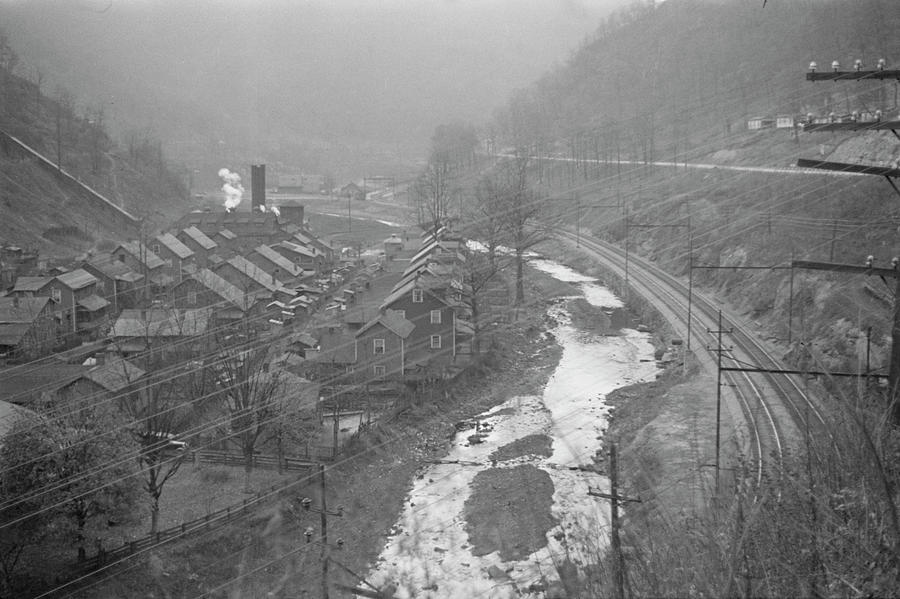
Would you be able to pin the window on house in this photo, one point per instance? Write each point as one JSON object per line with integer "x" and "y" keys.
{"x": 379, "y": 371}
{"x": 418, "y": 296}
{"x": 378, "y": 347}
{"x": 156, "y": 249}
{"x": 435, "y": 342}
{"x": 192, "y": 298}
{"x": 435, "y": 317}
{"x": 56, "y": 294}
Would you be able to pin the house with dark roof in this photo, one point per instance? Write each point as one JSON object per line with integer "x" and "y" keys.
{"x": 141, "y": 259}
{"x": 117, "y": 283}
{"x": 167, "y": 333}
{"x": 333, "y": 361}
{"x": 114, "y": 379}
{"x": 199, "y": 243}
{"x": 79, "y": 307}
{"x": 31, "y": 286}
{"x": 382, "y": 347}
{"x": 28, "y": 328}
{"x": 174, "y": 253}
{"x": 30, "y": 386}
{"x": 227, "y": 303}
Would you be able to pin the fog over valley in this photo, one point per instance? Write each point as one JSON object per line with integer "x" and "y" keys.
{"x": 253, "y": 74}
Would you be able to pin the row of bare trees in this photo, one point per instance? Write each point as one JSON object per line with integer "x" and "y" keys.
{"x": 498, "y": 205}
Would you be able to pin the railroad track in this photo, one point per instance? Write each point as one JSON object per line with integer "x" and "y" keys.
{"x": 770, "y": 411}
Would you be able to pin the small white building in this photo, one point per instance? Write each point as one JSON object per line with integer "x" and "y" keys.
{"x": 784, "y": 122}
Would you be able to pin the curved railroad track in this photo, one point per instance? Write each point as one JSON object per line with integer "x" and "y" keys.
{"x": 770, "y": 411}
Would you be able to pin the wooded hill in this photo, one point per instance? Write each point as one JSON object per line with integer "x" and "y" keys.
{"x": 677, "y": 78}
{"x": 44, "y": 210}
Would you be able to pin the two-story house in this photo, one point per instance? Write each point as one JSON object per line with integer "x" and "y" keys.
{"x": 80, "y": 308}
{"x": 141, "y": 259}
{"x": 432, "y": 344}
{"x": 382, "y": 347}
{"x": 116, "y": 283}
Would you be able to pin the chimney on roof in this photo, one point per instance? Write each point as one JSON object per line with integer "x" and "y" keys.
{"x": 257, "y": 186}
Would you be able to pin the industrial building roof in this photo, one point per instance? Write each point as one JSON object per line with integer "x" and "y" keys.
{"x": 200, "y": 237}
{"x": 175, "y": 246}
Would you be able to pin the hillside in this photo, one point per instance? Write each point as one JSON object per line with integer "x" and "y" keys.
{"x": 683, "y": 77}
{"x": 54, "y": 210}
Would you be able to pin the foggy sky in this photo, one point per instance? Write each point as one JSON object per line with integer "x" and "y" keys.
{"x": 386, "y": 70}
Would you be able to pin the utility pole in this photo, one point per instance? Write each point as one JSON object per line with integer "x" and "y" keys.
{"x": 719, "y": 350}
{"x": 615, "y": 542}
{"x": 690, "y": 290}
{"x": 884, "y": 274}
{"x": 857, "y": 122}
{"x": 577, "y": 222}
{"x": 306, "y": 502}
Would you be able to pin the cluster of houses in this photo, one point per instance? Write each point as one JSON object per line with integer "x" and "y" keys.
{"x": 400, "y": 321}
{"x": 413, "y": 327}
{"x": 214, "y": 269}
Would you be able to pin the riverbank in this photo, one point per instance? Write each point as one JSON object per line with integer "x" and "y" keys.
{"x": 270, "y": 555}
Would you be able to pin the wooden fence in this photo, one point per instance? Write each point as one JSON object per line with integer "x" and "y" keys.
{"x": 294, "y": 463}
{"x": 208, "y": 522}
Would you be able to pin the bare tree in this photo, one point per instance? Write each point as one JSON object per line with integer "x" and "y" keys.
{"x": 165, "y": 402}
{"x": 526, "y": 223}
{"x": 250, "y": 393}
{"x": 434, "y": 191}
{"x": 159, "y": 414}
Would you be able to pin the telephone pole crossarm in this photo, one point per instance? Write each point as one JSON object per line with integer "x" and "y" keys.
{"x": 853, "y": 126}
{"x": 852, "y": 169}
{"x": 801, "y": 372}
{"x": 853, "y": 268}
{"x": 853, "y": 75}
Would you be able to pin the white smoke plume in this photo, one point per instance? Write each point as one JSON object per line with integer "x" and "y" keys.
{"x": 233, "y": 189}
{"x": 262, "y": 207}
{"x": 275, "y": 210}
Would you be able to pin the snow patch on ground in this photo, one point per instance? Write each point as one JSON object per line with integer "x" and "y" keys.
{"x": 428, "y": 552}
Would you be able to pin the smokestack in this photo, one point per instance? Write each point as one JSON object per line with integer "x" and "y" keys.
{"x": 257, "y": 186}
